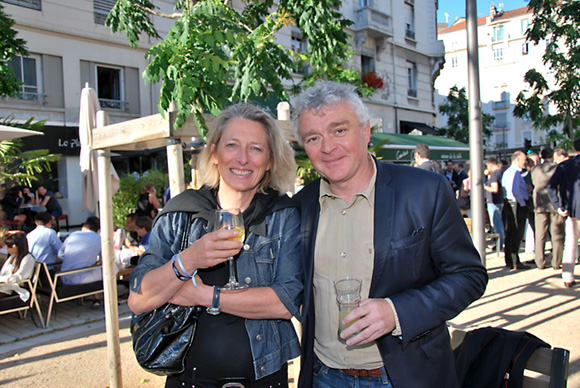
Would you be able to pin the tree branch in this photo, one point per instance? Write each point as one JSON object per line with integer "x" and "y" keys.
{"x": 174, "y": 15}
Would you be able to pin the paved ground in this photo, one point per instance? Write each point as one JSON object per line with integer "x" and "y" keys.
{"x": 72, "y": 352}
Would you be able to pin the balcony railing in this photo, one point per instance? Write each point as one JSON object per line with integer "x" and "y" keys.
{"x": 28, "y": 96}
{"x": 500, "y": 126}
{"x": 409, "y": 33}
{"x": 374, "y": 22}
{"x": 501, "y": 104}
{"x": 114, "y": 104}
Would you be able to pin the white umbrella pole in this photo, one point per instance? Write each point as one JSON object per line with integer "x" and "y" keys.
{"x": 109, "y": 273}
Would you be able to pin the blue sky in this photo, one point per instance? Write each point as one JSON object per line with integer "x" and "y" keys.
{"x": 457, "y": 8}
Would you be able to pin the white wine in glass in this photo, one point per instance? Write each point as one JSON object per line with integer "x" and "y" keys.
{"x": 231, "y": 219}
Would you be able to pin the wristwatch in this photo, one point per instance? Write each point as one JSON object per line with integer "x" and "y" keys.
{"x": 215, "y": 305}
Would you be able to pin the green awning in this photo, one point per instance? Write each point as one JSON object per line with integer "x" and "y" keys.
{"x": 400, "y": 147}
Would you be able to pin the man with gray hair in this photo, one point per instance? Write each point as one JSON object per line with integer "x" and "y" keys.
{"x": 396, "y": 228}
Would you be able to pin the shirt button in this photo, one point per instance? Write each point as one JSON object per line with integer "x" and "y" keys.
{"x": 262, "y": 369}
{"x": 259, "y": 337}
{"x": 343, "y": 212}
{"x": 248, "y": 280}
{"x": 246, "y": 247}
{"x": 343, "y": 254}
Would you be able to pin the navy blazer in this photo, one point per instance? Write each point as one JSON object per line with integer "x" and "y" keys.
{"x": 564, "y": 187}
{"x": 424, "y": 261}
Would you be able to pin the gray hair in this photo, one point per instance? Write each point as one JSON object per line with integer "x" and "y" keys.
{"x": 325, "y": 93}
{"x": 281, "y": 176}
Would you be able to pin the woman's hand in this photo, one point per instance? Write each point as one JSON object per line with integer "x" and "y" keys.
{"x": 189, "y": 295}
{"x": 210, "y": 250}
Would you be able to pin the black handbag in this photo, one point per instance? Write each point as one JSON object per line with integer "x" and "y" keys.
{"x": 162, "y": 337}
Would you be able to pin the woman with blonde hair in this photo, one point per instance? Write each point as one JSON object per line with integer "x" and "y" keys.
{"x": 246, "y": 337}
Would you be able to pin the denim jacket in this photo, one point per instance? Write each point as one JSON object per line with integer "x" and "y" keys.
{"x": 264, "y": 261}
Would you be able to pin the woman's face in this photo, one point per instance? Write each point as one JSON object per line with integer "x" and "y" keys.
{"x": 242, "y": 155}
{"x": 11, "y": 248}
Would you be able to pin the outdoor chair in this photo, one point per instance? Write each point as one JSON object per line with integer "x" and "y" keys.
{"x": 13, "y": 303}
{"x": 64, "y": 218}
{"x": 549, "y": 366}
{"x": 52, "y": 286}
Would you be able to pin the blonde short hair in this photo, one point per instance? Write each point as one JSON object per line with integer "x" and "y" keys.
{"x": 281, "y": 175}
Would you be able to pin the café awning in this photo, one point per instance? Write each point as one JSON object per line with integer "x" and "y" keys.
{"x": 399, "y": 148}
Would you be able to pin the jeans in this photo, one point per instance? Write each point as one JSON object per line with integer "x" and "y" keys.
{"x": 325, "y": 377}
{"x": 494, "y": 210}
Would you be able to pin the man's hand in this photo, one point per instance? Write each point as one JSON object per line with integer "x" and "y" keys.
{"x": 563, "y": 213}
{"x": 375, "y": 319}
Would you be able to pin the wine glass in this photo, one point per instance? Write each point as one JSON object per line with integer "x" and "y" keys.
{"x": 231, "y": 219}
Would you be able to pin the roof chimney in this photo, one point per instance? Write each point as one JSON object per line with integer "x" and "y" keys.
{"x": 492, "y": 12}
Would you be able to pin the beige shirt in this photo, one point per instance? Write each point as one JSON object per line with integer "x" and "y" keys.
{"x": 344, "y": 247}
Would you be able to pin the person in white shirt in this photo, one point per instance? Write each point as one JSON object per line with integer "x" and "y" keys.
{"x": 43, "y": 241}
{"x": 80, "y": 250}
{"x": 517, "y": 196}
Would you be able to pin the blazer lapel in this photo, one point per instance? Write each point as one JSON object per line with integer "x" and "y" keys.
{"x": 384, "y": 219}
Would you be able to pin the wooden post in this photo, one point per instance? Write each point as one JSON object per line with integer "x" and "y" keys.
{"x": 108, "y": 263}
{"x": 175, "y": 166}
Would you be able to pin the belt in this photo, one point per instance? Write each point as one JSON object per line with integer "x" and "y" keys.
{"x": 362, "y": 372}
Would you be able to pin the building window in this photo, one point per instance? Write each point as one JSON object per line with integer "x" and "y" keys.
{"x": 500, "y": 140}
{"x": 412, "y": 79}
{"x": 525, "y": 48}
{"x": 367, "y": 64}
{"x": 101, "y": 9}
{"x": 32, "y": 4}
{"x": 110, "y": 87}
{"x": 497, "y": 34}
{"x": 299, "y": 46}
{"x": 365, "y": 3}
{"x": 498, "y": 54}
{"x": 28, "y": 71}
{"x": 501, "y": 120}
{"x": 409, "y": 21}
{"x": 453, "y": 61}
{"x": 527, "y": 135}
{"x": 525, "y": 25}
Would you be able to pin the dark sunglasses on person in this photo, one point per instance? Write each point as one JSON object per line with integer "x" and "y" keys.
{"x": 9, "y": 245}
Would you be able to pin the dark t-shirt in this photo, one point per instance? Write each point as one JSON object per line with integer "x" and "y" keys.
{"x": 495, "y": 176}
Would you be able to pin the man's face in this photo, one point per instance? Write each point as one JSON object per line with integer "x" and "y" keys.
{"x": 41, "y": 190}
{"x": 335, "y": 142}
{"x": 449, "y": 166}
{"x": 130, "y": 224}
{"x": 521, "y": 161}
{"x": 140, "y": 231}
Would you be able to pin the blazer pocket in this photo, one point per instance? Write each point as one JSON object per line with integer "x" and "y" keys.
{"x": 409, "y": 257}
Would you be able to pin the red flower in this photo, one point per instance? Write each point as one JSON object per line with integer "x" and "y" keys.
{"x": 372, "y": 80}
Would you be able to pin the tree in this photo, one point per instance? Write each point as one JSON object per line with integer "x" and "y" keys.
{"x": 21, "y": 167}
{"x": 457, "y": 110}
{"x": 9, "y": 47}
{"x": 555, "y": 22}
{"x": 214, "y": 55}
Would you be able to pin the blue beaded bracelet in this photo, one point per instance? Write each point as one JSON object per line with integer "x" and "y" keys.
{"x": 179, "y": 275}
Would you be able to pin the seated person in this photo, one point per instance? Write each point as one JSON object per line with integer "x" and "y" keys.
{"x": 43, "y": 241}
{"x": 143, "y": 229}
{"x": 11, "y": 206}
{"x": 132, "y": 238}
{"x": 47, "y": 199}
{"x": 80, "y": 250}
{"x": 18, "y": 266}
{"x": 27, "y": 196}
